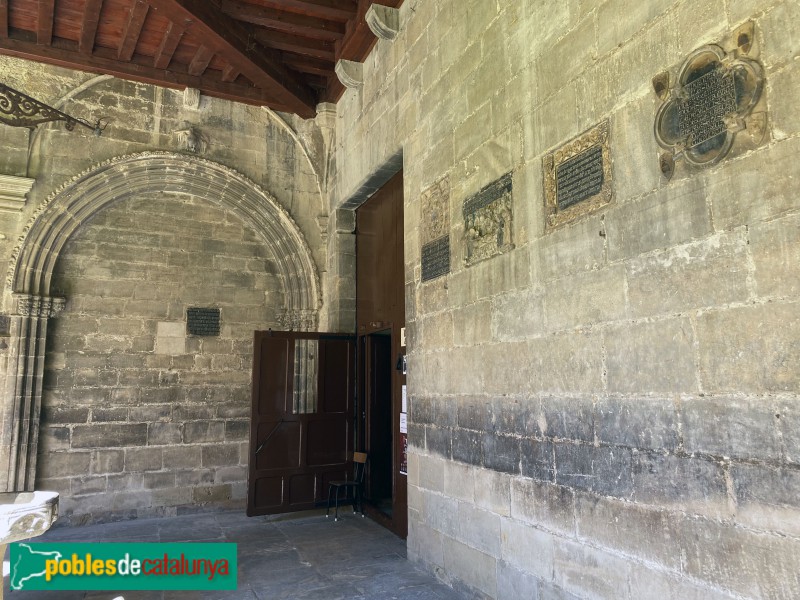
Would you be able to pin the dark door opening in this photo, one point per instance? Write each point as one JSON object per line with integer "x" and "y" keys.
{"x": 377, "y": 348}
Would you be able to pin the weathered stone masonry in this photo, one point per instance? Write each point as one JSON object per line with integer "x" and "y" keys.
{"x": 609, "y": 410}
{"x": 139, "y": 418}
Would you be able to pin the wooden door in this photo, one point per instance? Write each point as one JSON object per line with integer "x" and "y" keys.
{"x": 380, "y": 318}
{"x": 301, "y": 432}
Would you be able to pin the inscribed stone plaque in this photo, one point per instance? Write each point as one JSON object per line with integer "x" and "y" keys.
{"x": 434, "y": 230}
{"x": 436, "y": 259}
{"x": 713, "y": 98}
{"x": 202, "y": 321}
{"x": 488, "y": 221}
{"x": 577, "y": 177}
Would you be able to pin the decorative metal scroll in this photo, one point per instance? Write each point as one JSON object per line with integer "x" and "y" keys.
{"x": 710, "y": 102}
{"x": 20, "y": 110}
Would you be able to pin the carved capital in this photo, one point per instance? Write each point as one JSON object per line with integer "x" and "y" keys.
{"x": 298, "y": 320}
{"x": 29, "y": 305}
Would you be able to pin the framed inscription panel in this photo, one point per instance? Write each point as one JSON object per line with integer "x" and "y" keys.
{"x": 577, "y": 177}
{"x": 714, "y": 104}
{"x": 434, "y": 230}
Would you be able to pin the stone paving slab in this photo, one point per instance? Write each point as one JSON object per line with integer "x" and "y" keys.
{"x": 302, "y": 556}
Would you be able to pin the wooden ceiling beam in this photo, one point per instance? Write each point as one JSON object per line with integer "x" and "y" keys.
{"x": 4, "y": 18}
{"x": 334, "y": 10}
{"x": 91, "y": 19}
{"x": 200, "y": 61}
{"x": 334, "y": 90}
{"x": 170, "y": 41}
{"x": 44, "y": 23}
{"x": 234, "y": 43}
{"x": 280, "y": 20}
{"x": 309, "y": 65}
{"x": 290, "y": 43}
{"x": 132, "y": 30}
{"x": 64, "y": 53}
{"x": 230, "y": 73}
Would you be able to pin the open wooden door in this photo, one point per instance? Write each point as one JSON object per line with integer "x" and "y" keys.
{"x": 301, "y": 432}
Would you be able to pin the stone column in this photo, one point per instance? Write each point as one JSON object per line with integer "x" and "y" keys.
{"x": 23, "y": 393}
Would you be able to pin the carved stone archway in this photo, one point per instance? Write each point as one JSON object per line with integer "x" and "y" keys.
{"x": 75, "y": 203}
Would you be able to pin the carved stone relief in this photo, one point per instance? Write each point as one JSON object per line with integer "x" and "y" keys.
{"x": 577, "y": 177}
{"x": 434, "y": 230}
{"x": 191, "y": 139}
{"x": 488, "y": 221}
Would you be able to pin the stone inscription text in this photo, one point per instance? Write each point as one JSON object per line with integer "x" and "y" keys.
{"x": 709, "y": 99}
{"x": 436, "y": 258}
{"x": 579, "y": 177}
{"x": 202, "y": 321}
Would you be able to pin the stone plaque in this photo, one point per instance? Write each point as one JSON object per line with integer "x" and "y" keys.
{"x": 202, "y": 321}
{"x": 488, "y": 221}
{"x": 577, "y": 177}
{"x": 436, "y": 258}
{"x": 580, "y": 177}
{"x": 713, "y": 98}
{"x": 434, "y": 230}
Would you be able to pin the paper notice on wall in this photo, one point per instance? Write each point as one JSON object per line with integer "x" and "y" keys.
{"x": 405, "y": 401}
{"x": 403, "y": 423}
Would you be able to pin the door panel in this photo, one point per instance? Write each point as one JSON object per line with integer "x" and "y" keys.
{"x": 268, "y": 493}
{"x": 301, "y": 434}
{"x": 272, "y": 397}
{"x": 281, "y": 441}
{"x": 326, "y": 442}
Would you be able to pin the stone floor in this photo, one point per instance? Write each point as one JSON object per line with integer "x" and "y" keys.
{"x": 306, "y": 557}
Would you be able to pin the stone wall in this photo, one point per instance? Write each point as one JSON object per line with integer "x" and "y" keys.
{"x": 610, "y": 409}
{"x": 139, "y": 418}
{"x": 281, "y": 153}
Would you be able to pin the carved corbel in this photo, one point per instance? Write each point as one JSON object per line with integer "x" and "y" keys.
{"x": 383, "y": 21}
{"x": 350, "y": 73}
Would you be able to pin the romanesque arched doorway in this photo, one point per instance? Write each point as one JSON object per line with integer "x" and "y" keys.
{"x": 73, "y": 206}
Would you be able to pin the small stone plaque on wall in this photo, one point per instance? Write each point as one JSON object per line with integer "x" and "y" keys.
{"x": 488, "y": 221}
{"x": 577, "y": 177}
{"x": 436, "y": 259}
{"x": 434, "y": 230}
{"x": 202, "y": 321}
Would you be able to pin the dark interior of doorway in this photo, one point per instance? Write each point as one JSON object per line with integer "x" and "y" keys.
{"x": 378, "y": 394}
